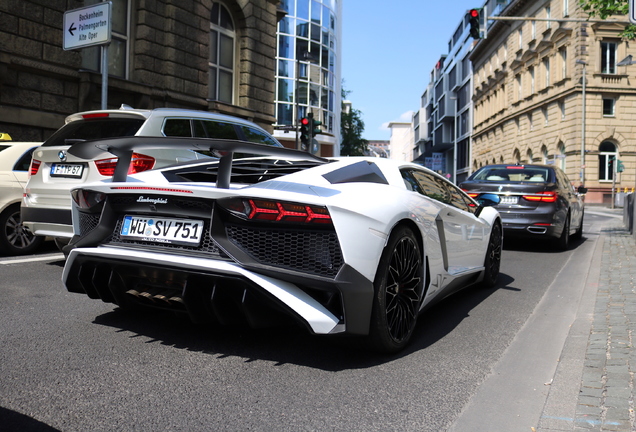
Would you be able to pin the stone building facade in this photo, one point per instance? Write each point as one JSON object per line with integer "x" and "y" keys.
{"x": 528, "y": 95}
{"x": 199, "y": 54}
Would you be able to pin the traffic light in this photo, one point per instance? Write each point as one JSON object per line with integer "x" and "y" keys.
{"x": 305, "y": 136}
{"x": 314, "y": 125}
{"x": 619, "y": 166}
{"x": 474, "y": 22}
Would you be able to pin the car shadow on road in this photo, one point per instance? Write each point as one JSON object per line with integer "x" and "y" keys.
{"x": 292, "y": 345}
{"x": 531, "y": 245}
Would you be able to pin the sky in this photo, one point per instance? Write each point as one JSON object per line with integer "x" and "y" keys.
{"x": 388, "y": 51}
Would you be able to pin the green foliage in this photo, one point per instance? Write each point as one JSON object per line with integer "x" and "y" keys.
{"x": 603, "y": 9}
{"x": 351, "y": 129}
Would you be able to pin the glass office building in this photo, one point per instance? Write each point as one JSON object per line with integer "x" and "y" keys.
{"x": 308, "y": 73}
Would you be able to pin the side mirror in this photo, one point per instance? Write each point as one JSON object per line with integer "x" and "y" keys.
{"x": 486, "y": 200}
{"x": 582, "y": 190}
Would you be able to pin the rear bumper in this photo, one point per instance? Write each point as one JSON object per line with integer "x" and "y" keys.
{"x": 48, "y": 222}
{"x": 531, "y": 224}
{"x": 220, "y": 290}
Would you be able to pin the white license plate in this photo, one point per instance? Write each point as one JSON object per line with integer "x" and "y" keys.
{"x": 67, "y": 170}
{"x": 162, "y": 230}
{"x": 509, "y": 200}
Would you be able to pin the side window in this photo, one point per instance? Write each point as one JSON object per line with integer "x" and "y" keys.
{"x": 215, "y": 129}
{"x": 432, "y": 187}
{"x": 459, "y": 200}
{"x": 177, "y": 128}
{"x": 24, "y": 163}
{"x": 256, "y": 136}
{"x": 410, "y": 182}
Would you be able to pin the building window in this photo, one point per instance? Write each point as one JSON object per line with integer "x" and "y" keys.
{"x": 608, "y": 107}
{"x": 548, "y": 15}
{"x": 221, "y": 61}
{"x": 607, "y": 152}
{"x": 533, "y": 25}
{"x": 563, "y": 53}
{"x": 562, "y": 109}
{"x": 546, "y": 69}
{"x": 520, "y": 38}
{"x": 566, "y": 8}
{"x": 608, "y": 57}
{"x": 519, "y": 87}
{"x": 544, "y": 110}
{"x": 561, "y": 155}
{"x": 532, "y": 87}
{"x": 119, "y": 45}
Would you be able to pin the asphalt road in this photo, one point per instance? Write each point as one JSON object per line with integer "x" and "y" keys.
{"x": 69, "y": 363}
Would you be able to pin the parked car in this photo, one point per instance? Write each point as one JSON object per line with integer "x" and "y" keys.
{"x": 537, "y": 201}
{"x": 46, "y": 208}
{"x": 15, "y": 159}
{"x": 340, "y": 246}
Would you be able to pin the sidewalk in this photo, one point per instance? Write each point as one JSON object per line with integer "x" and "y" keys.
{"x": 605, "y": 400}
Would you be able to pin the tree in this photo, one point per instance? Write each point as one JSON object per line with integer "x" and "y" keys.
{"x": 603, "y": 9}
{"x": 351, "y": 129}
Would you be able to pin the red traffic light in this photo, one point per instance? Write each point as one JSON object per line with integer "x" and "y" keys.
{"x": 474, "y": 13}
{"x": 304, "y": 121}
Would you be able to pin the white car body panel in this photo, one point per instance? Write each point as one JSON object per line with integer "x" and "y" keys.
{"x": 363, "y": 214}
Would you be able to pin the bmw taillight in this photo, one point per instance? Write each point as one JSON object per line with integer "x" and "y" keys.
{"x": 138, "y": 163}
{"x": 35, "y": 166}
{"x": 87, "y": 199}
{"x": 277, "y": 211}
{"x": 547, "y": 197}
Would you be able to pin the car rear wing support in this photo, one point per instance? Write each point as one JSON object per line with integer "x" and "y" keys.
{"x": 124, "y": 147}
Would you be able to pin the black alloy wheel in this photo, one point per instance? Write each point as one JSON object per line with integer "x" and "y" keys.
{"x": 398, "y": 292}
{"x": 493, "y": 257}
{"x": 15, "y": 239}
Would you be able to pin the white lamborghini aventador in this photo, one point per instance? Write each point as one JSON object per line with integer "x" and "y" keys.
{"x": 345, "y": 245}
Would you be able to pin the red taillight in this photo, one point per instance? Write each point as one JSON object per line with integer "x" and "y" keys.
{"x": 35, "y": 166}
{"x": 547, "y": 197}
{"x": 287, "y": 212}
{"x": 277, "y": 211}
{"x": 138, "y": 163}
{"x": 94, "y": 115}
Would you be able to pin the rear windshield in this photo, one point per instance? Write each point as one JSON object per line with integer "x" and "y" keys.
{"x": 513, "y": 173}
{"x": 94, "y": 129}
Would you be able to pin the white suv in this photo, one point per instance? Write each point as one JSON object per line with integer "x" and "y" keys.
{"x": 46, "y": 206}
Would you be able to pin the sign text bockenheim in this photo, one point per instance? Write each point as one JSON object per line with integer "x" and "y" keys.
{"x": 87, "y": 26}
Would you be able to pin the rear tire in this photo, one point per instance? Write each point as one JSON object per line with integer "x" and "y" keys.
{"x": 399, "y": 287}
{"x": 578, "y": 235}
{"x": 15, "y": 238}
{"x": 563, "y": 242}
{"x": 492, "y": 263}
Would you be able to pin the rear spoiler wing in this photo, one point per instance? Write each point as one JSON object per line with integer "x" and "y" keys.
{"x": 124, "y": 147}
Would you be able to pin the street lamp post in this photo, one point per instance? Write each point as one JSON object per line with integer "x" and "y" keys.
{"x": 583, "y": 82}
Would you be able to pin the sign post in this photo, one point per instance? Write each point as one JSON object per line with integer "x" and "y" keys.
{"x": 90, "y": 26}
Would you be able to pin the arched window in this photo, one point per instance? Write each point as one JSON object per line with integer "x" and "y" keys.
{"x": 607, "y": 151}
{"x": 221, "y": 62}
{"x": 545, "y": 155}
{"x": 561, "y": 156}
{"x": 516, "y": 156}
{"x": 529, "y": 156}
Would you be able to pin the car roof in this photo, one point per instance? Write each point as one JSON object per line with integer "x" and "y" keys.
{"x": 127, "y": 111}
